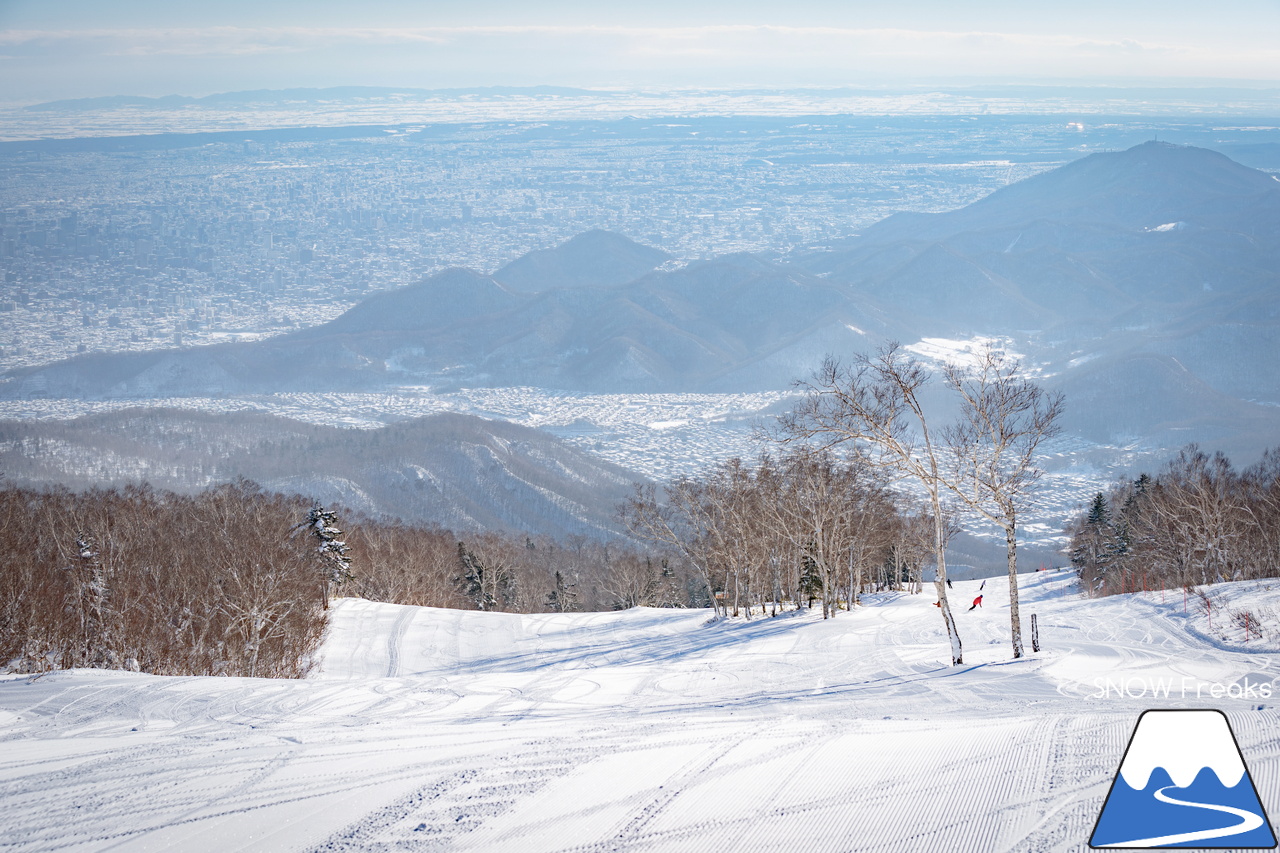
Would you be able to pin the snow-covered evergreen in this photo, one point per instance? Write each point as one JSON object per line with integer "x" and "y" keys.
{"x": 333, "y": 553}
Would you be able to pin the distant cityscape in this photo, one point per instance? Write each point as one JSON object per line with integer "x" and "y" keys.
{"x": 129, "y": 245}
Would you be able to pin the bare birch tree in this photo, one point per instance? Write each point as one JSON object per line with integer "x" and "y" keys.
{"x": 1004, "y": 418}
{"x": 1262, "y": 485}
{"x": 872, "y": 408}
{"x": 815, "y": 508}
{"x": 911, "y": 545}
{"x": 1203, "y": 513}
{"x": 684, "y": 523}
{"x": 871, "y": 519}
{"x": 730, "y": 502}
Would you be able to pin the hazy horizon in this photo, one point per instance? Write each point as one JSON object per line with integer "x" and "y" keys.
{"x": 79, "y": 49}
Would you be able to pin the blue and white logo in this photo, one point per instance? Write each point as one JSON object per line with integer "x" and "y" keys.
{"x": 1183, "y": 783}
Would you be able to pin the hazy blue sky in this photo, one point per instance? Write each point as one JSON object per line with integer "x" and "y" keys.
{"x": 79, "y": 48}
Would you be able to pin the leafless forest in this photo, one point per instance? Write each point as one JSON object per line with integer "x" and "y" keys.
{"x": 221, "y": 583}
{"x": 801, "y": 528}
{"x": 1199, "y": 521}
{"x": 235, "y": 581}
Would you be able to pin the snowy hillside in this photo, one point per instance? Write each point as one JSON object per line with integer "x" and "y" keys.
{"x": 643, "y": 730}
{"x": 445, "y": 469}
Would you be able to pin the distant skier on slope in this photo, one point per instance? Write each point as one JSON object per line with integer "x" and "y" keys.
{"x": 977, "y": 602}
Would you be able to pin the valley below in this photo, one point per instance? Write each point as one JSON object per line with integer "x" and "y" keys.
{"x": 653, "y": 436}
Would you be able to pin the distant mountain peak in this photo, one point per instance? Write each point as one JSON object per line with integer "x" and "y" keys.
{"x": 1132, "y": 188}
{"x": 1137, "y": 189}
{"x": 446, "y": 298}
{"x": 594, "y": 258}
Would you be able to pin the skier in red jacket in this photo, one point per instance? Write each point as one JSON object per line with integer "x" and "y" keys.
{"x": 977, "y": 602}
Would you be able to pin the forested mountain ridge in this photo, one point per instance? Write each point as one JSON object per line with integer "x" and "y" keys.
{"x": 450, "y": 470}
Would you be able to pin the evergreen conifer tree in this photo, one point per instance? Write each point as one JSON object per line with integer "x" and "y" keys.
{"x": 485, "y": 582}
{"x": 93, "y": 592}
{"x": 563, "y": 597}
{"x": 1099, "y": 514}
{"x": 810, "y": 579}
{"x": 333, "y": 553}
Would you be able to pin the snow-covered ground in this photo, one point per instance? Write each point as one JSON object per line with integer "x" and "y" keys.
{"x": 643, "y": 730}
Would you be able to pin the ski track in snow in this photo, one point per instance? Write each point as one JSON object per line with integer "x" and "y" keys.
{"x": 644, "y": 730}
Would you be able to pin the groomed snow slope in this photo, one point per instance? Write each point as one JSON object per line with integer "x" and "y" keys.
{"x": 644, "y": 730}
